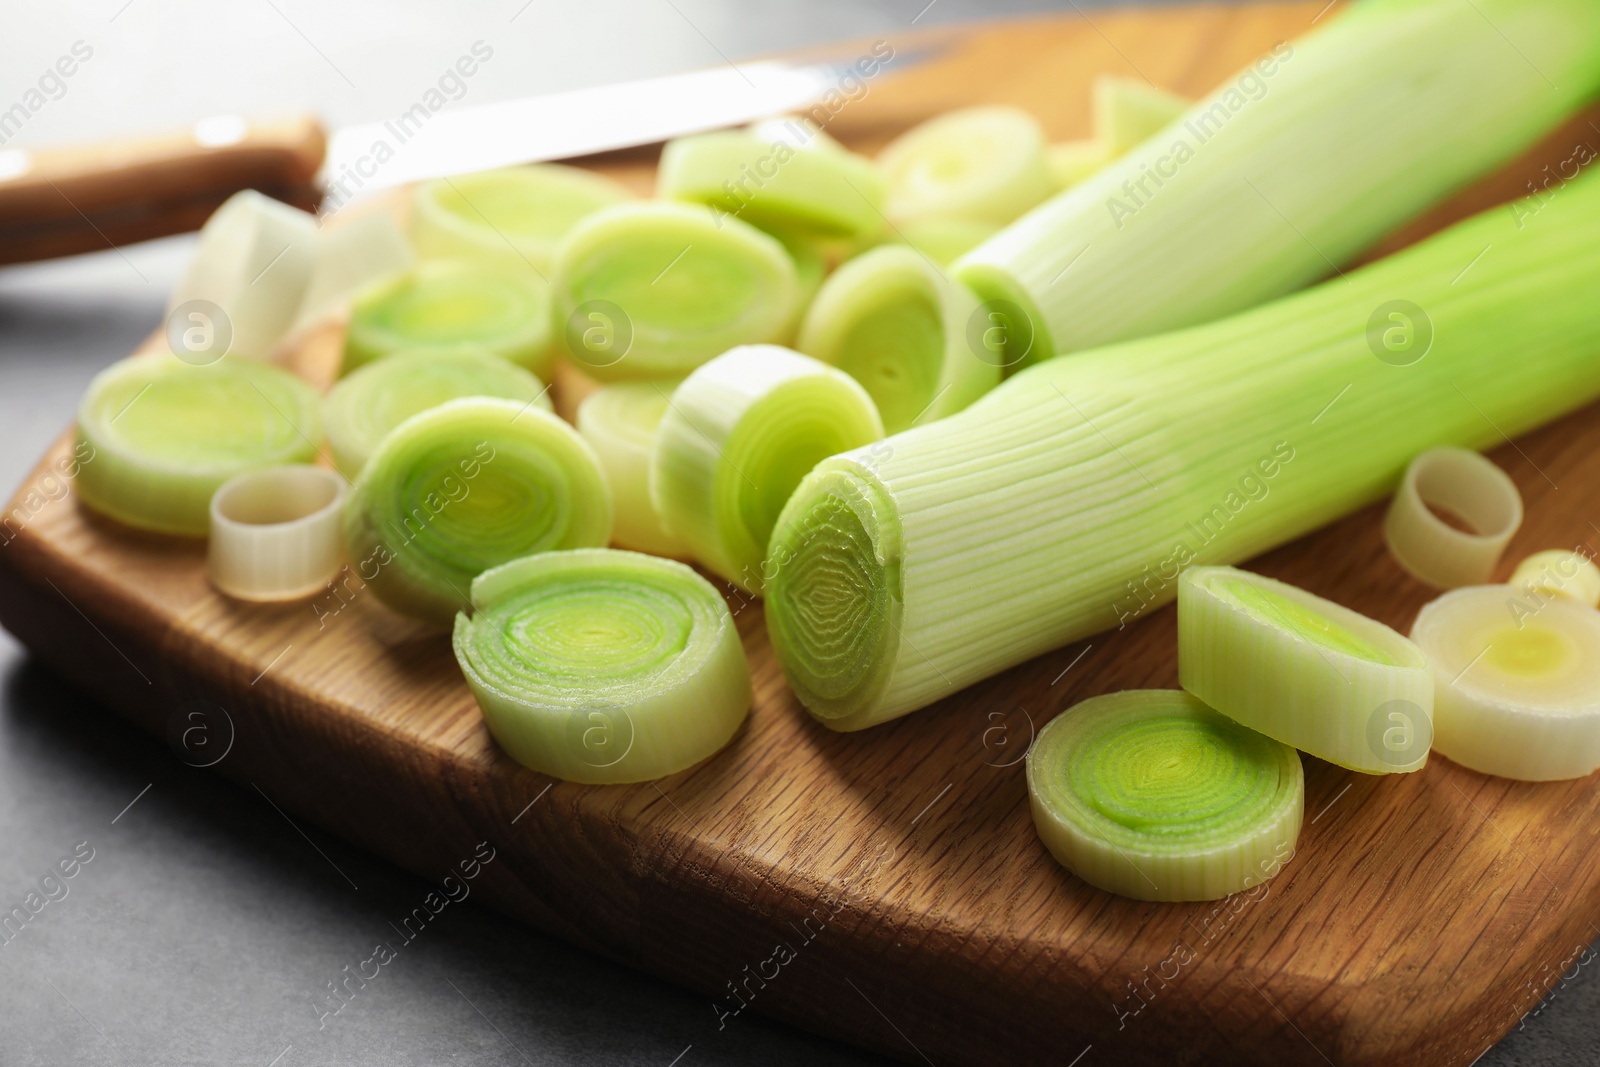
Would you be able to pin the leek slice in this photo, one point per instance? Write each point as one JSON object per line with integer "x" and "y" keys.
{"x": 1073, "y": 161}
{"x": 1128, "y": 111}
{"x": 1469, "y": 486}
{"x": 894, "y": 323}
{"x": 774, "y": 177}
{"x": 601, "y": 666}
{"x": 946, "y": 240}
{"x": 466, "y": 486}
{"x": 513, "y": 217}
{"x": 1152, "y": 795}
{"x": 275, "y": 533}
{"x": 653, "y": 290}
{"x": 1067, "y": 500}
{"x": 1295, "y": 166}
{"x": 619, "y": 422}
{"x": 250, "y": 270}
{"x": 449, "y": 304}
{"x": 1559, "y": 573}
{"x": 351, "y": 258}
{"x": 738, "y": 436}
{"x": 364, "y": 407}
{"x": 1304, "y": 671}
{"x": 165, "y": 435}
{"x": 1517, "y": 682}
{"x": 985, "y": 164}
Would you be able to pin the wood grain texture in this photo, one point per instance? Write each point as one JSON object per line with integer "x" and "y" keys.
{"x": 898, "y": 868}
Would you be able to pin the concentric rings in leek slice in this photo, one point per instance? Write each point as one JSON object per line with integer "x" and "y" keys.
{"x": 602, "y": 666}
{"x": 987, "y": 164}
{"x": 796, "y": 182}
{"x": 1304, "y": 670}
{"x": 514, "y": 216}
{"x": 1517, "y": 681}
{"x": 163, "y": 435}
{"x": 362, "y": 408}
{"x": 466, "y": 486}
{"x": 1152, "y": 795}
{"x": 619, "y": 421}
{"x": 450, "y": 304}
{"x": 894, "y": 323}
{"x": 739, "y": 435}
{"x": 653, "y": 290}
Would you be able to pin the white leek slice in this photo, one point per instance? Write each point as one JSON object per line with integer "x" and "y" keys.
{"x": 894, "y": 323}
{"x": 275, "y": 533}
{"x": 1517, "y": 682}
{"x": 739, "y": 435}
{"x": 514, "y": 217}
{"x": 986, "y": 164}
{"x": 1129, "y": 111}
{"x": 364, "y": 407}
{"x": 946, "y": 240}
{"x": 601, "y": 666}
{"x": 253, "y": 262}
{"x": 1559, "y": 573}
{"x": 466, "y": 486}
{"x": 1304, "y": 670}
{"x": 1073, "y": 161}
{"x": 653, "y": 290}
{"x": 1469, "y": 486}
{"x": 619, "y": 421}
{"x": 451, "y": 304}
{"x": 1152, "y": 795}
{"x": 166, "y": 434}
{"x": 351, "y": 258}
{"x": 774, "y": 177}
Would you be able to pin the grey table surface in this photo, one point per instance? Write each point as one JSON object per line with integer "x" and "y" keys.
{"x": 206, "y": 925}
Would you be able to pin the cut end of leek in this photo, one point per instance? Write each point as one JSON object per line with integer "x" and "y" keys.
{"x": 619, "y": 421}
{"x": 364, "y": 407}
{"x": 986, "y": 164}
{"x": 1304, "y": 670}
{"x": 600, "y": 666}
{"x": 1469, "y": 486}
{"x": 166, "y": 434}
{"x": 1559, "y": 573}
{"x": 739, "y": 435}
{"x": 450, "y": 305}
{"x": 1152, "y": 795}
{"x": 1128, "y": 111}
{"x": 1517, "y": 682}
{"x": 900, "y": 328}
{"x": 467, "y": 486}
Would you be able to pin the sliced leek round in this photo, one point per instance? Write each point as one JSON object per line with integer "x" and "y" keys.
{"x": 1467, "y": 485}
{"x": 601, "y": 666}
{"x": 894, "y": 323}
{"x": 653, "y": 290}
{"x": 275, "y": 532}
{"x": 987, "y": 164}
{"x": 364, "y": 407}
{"x": 450, "y": 304}
{"x": 1152, "y": 795}
{"x": 466, "y": 486}
{"x": 619, "y": 422}
{"x": 166, "y": 434}
{"x": 775, "y": 178}
{"x": 1304, "y": 671}
{"x": 1559, "y": 573}
{"x": 514, "y": 217}
{"x": 1516, "y": 682}
{"x": 738, "y": 436}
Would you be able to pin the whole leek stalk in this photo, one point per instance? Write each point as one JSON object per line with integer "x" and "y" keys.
{"x": 1066, "y": 501}
{"x": 1291, "y": 168}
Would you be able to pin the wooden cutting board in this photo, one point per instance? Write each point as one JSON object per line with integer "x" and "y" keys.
{"x": 887, "y": 887}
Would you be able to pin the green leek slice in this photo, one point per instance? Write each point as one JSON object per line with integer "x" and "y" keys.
{"x": 364, "y": 407}
{"x": 513, "y": 217}
{"x": 738, "y": 436}
{"x": 1557, "y": 572}
{"x": 466, "y": 486}
{"x": 1304, "y": 670}
{"x": 653, "y": 290}
{"x": 894, "y": 323}
{"x": 1129, "y": 111}
{"x": 985, "y": 164}
{"x": 619, "y": 422}
{"x": 1152, "y": 795}
{"x": 450, "y": 304}
{"x": 1517, "y": 682}
{"x": 602, "y": 666}
{"x": 165, "y": 435}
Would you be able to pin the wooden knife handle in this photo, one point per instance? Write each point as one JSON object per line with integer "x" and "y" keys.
{"x": 79, "y": 198}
